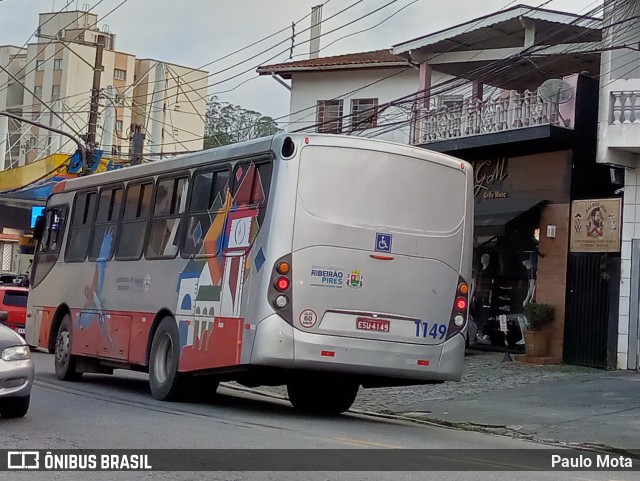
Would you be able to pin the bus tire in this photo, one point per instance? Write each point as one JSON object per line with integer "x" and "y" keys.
{"x": 65, "y": 362}
{"x": 322, "y": 397}
{"x": 164, "y": 379}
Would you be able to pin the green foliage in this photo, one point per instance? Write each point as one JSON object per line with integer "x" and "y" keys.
{"x": 228, "y": 124}
{"x": 539, "y": 315}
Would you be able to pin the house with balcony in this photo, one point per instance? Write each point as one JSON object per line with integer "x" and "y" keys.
{"x": 350, "y": 94}
{"x": 515, "y": 94}
{"x": 618, "y": 148}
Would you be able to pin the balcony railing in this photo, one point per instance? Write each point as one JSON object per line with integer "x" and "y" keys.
{"x": 474, "y": 116}
{"x": 625, "y": 107}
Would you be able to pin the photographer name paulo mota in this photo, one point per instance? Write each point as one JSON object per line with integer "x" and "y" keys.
{"x": 16, "y": 374}
{"x": 591, "y": 461}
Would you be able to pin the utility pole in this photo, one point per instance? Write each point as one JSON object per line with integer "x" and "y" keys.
{"x": 95, "y": 100}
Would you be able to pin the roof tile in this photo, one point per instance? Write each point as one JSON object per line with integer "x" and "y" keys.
{"x": 362, "y": 58}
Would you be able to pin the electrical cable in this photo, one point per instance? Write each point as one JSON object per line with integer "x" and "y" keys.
{"x": 507, "y": 64}
{"x": 280, "y": 53}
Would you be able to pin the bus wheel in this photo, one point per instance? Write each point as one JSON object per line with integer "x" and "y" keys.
{"x": 65, "y": 362}
{"x": 322, "y": 397}
{"x": 163, "y": 361}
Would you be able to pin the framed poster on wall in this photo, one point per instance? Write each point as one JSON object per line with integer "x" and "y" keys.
{"x": 596, "y": 225}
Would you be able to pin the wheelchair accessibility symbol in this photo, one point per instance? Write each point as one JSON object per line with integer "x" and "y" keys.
{"x": 383, "y": 242}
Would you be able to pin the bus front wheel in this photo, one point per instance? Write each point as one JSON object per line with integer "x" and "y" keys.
{"x": 163, "y": 361}
{"x": 322, "y": 396}
{"x": 65, "y": 362}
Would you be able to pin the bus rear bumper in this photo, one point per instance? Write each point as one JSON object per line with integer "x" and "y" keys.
{"x": 279, "y": 344}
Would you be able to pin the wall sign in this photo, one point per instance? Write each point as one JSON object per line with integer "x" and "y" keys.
{"x": 595, "y": 225}
{"x": 488, "y": 173}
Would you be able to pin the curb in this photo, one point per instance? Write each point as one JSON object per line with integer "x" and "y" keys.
{"x": 492, "y": 429}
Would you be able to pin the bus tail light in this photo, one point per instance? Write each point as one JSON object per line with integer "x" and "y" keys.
{"x": 459, "y": 313}
{"x": 282, "y": 284}
{"x": 280, "y": 290}
{"x": 283, "y": 268}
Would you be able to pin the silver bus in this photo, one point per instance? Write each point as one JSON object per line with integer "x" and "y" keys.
{"x": 319, "y": 262}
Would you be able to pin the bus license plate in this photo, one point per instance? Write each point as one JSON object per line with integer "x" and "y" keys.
{"x": 369, "y": 324}
{"x": 21, "y": 330}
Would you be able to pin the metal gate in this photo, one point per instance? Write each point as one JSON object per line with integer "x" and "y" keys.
{"x": 593, "y": 281}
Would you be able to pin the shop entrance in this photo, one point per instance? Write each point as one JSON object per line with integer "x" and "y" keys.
{"x": 592, "y": 288}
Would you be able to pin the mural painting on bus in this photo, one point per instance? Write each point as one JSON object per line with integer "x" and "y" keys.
{"x": 93, "y": 294}
{"x": 210, "y": 288}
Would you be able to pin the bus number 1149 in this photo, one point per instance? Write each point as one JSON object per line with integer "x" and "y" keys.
{"x": 437, "y": 331}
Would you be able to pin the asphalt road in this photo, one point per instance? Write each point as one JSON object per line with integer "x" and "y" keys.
{"x": 118, "y": 412}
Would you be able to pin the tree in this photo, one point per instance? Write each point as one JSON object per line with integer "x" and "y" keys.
{"x": 228, "y": 124}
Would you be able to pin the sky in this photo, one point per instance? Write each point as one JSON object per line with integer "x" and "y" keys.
{"x": 196, "y": 32}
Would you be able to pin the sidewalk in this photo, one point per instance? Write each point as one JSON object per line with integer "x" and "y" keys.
{"x": 562, "y": 404}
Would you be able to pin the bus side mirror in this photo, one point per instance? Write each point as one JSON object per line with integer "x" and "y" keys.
{"x": 38, "y": 229}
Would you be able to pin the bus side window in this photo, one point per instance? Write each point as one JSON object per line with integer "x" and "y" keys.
{"x": 107, "y": 219}
{"x": 208, "y": 196}
{"x": 81, "y": 223}
{"x": 251, "y": 188}
{"x": 130, "y": 238}
{"x": 50, "y": 244}
{"x": 169, "y": 207}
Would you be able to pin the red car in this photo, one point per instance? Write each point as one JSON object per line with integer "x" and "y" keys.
{"x": 13, "y": 300}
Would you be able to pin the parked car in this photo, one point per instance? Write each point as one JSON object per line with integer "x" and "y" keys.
{"x": 13, "y": 301}
{"x": 7, "y": 278}
{"x": 16, "y": 373}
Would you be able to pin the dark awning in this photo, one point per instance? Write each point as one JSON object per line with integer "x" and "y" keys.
{"x": 490, "y": 218}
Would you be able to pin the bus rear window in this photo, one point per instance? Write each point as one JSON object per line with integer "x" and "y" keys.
{"x": 371, "y": 188}
{"x": 15, "y": 298}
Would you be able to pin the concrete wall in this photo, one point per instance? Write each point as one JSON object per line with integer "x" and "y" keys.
{"x": 620, "y": 71}
{"x": 630, "y": 231}
{"x": 184, "y": 105}
{"x": 308, "y": 88}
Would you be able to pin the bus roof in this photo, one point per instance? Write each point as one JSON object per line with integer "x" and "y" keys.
{"x": 247, "y": 149}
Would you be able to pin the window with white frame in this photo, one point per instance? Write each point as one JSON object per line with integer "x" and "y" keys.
{"x": 364, "y": 113}
{"x": 37, "y": 90}
{"x": 119, "y": 74}
{"x": 39, "y": 64}
{"x": 329, "y": 116}
{"x": 55, "y": 91}
{"x": 57, "y": 64}
{"x": 119, "y": 125}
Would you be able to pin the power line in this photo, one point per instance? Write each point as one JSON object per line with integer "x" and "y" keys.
{"x": 36, "y": 30}
{"x": 472, "y": 25}
{"x": 326, "y": 46}
{"x": 44, "y": 104}
{"x": 287, "y": 49}
{"x": 506, "y": 62}
{"x": 43, "y": 47}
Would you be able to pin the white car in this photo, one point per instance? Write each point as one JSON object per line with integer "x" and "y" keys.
{"x": 16, "y": 374}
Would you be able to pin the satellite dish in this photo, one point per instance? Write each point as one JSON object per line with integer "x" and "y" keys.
{"x": 555, "y": 90}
